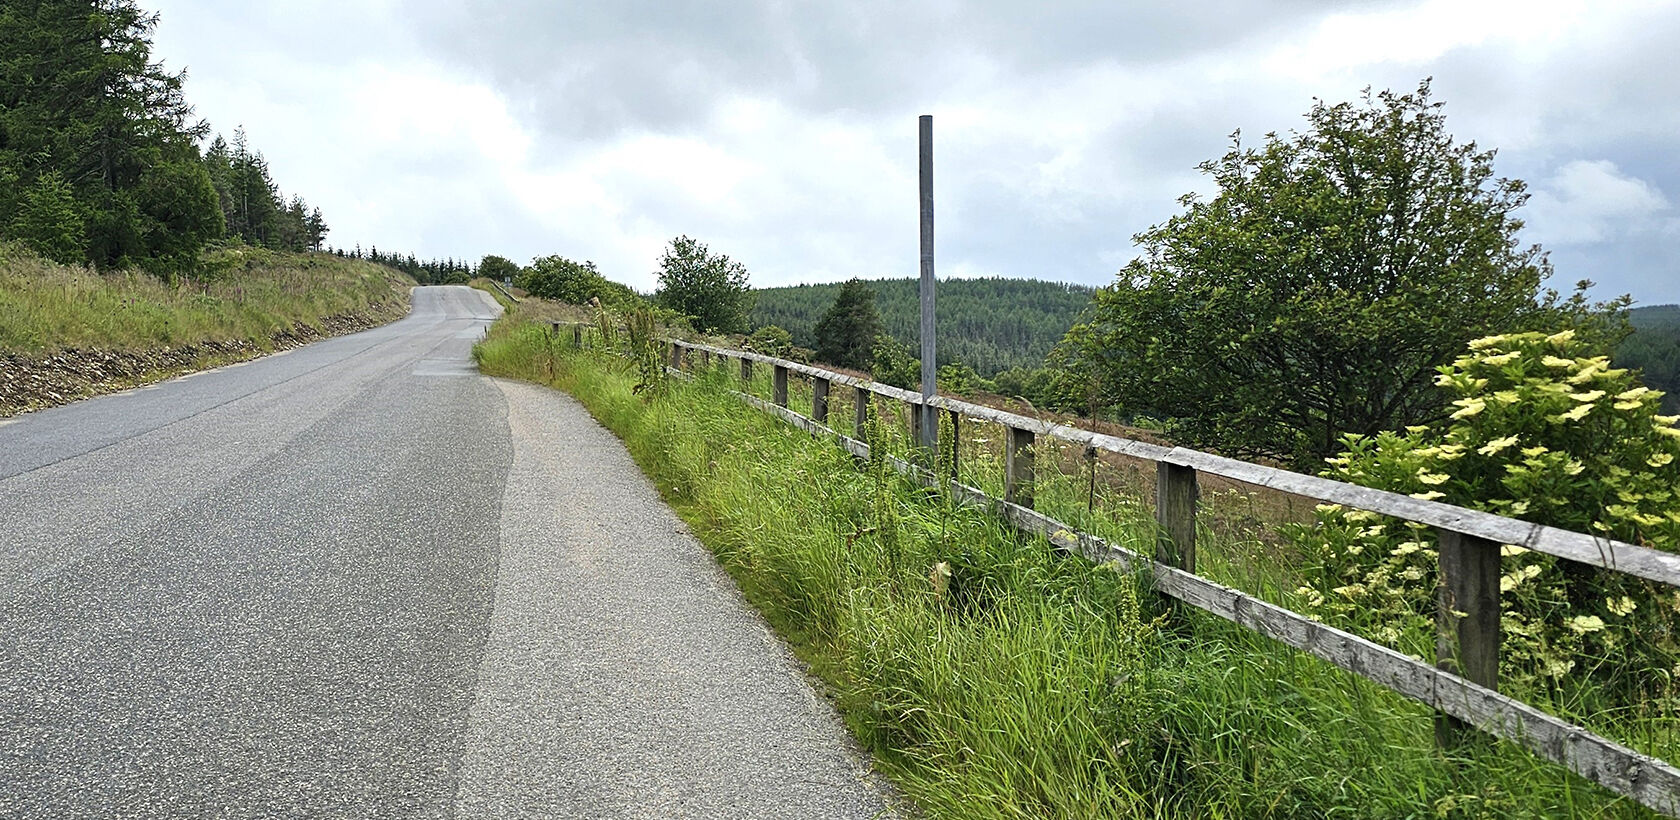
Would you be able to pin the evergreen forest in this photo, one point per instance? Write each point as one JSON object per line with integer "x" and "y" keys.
{"x": 990, "y": 325}
{"x": 1654, "y": 349}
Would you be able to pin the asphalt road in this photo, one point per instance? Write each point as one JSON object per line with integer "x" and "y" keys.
{"x": 358, "y": 579}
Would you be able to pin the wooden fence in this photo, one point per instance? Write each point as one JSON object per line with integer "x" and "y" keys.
{"x": 1461, "y": 685}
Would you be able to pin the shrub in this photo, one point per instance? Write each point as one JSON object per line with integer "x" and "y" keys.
{"x": 1542, "y": 432}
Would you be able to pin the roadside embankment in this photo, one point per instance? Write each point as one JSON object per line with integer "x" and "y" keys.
{"x": 69, "y": 332}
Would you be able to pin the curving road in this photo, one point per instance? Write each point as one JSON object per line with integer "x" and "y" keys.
{"x": 358, "y": 579}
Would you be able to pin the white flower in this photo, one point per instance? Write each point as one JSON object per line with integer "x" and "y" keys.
{"x": 1582, "y": 624}
{"x": 1470, "y": 408}
{"x": 1496, "y": 445}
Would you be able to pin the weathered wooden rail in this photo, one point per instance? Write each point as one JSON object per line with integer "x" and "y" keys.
{"x": 1461, "y": 685}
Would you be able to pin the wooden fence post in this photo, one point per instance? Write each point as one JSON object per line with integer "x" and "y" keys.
{"x": 917, "y": 415}
{"x": 819, "y": 400}
{"x": 778, "y": 388}
{"x": 746, "y": 375}
{"x": 577, "y": 336}
{"x": 1176, "y": 493}
{"x": 1018, "y": 468}
{"x": 956, "y": 439}
{"x": 1467, "y": 626}
{"x": 676, "y": 355}
{"x": 860, "y": 421}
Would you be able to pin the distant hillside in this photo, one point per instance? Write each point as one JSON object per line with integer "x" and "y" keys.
{"x": 1654, "y": 348}
{"x": 1652, "y": 316}
{"x": 988, "y": 324}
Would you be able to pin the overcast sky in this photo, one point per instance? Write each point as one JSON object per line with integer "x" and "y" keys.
{"x": 783, "y": 133}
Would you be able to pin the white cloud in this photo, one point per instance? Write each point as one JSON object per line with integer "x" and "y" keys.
{"x": 1592, "y": 201}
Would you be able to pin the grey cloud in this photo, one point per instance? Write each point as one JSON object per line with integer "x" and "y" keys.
{"x": 592, "y": 70}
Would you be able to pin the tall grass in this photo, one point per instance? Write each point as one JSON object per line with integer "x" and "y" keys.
{"x": 253, "y": 295}
{"x": 992, "y": 678}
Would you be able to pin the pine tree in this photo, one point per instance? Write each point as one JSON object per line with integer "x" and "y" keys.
{"x": 846, "y": 333}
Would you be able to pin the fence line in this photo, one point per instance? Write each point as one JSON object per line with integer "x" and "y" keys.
{"x": 1461, "y": 686}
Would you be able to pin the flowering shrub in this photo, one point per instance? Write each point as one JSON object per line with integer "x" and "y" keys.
{"x": 1545, "y": 433}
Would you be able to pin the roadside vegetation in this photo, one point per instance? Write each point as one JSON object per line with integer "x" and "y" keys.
{"x": 992, "y": 678}
{"x": 71, "y": 331}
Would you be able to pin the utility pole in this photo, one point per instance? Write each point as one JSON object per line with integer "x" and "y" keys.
{"x": 930, "y": 417}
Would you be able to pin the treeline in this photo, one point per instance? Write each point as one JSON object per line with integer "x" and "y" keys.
{"x": 1654, "y": 349}
{"x": 990, "y": 325}
{"x": 99, "y": 149}
{"x": 449, "y": 271}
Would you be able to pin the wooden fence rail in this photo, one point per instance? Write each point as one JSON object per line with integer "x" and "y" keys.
{"x": 1461, "y": 685}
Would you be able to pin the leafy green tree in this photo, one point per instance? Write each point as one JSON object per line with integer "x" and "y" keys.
{"x": 497, "y": 267}
{"x": 961, "y": 379}
{"x": 710, "y": 287}
{"x": 48, "y": 220}
{"x": 561, "y": 279}
{"x": 894, "y": 365}
{"x": 846, "y": 333}
{"x": 1320, "y": 287}
{"x": 770, "y": 340}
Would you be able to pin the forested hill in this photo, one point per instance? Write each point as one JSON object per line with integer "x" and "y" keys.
{"x": 988, "y": 324}
{"x": 1654, "y": 348}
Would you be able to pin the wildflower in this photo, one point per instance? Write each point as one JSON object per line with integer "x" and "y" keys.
{"x": 1531, "y": 452}
{"x": 1590, "y": 395}
{"x": 1512, "y": 551}
{"x": 1429, "y": 496}
{"x": 1432, "y": 479}
{"x": 1623, "y": 607}
{"x": 1583, "y": 624}
{"x": 1496, "y": 445}
{"x": 1558, "y": 338}
{"x": 1637, "y": 392}
{"x": 1328, "y": 508}
{"x": 1580, "y": 412}
{"x": 1489, "y": 341}
{"x": 1502, "y": 358}
{"x": 1470, "y": 408}
{"x": 1555, "y": 361}
{"x": 1516, "y": 579}
{"x": 1407, "y": 548}
{"x": 1507, "y": 396}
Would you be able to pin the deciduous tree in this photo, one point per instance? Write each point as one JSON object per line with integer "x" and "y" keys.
{"x": 710, "y": 287}
{"x": 1317, "y": 290}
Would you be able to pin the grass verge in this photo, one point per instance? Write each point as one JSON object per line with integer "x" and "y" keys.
{"x": 1023, "y": 684}
{"x": 67, "y": 332}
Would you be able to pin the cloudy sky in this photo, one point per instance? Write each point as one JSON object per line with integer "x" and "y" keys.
{"x": 784, "y": 133}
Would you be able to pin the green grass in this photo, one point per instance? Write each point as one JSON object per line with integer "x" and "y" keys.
{"x": 1033, "y": 685}
{"x": 255, "y": 294}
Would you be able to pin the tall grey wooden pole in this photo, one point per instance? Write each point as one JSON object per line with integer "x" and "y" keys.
{"x": 930, "y": 419}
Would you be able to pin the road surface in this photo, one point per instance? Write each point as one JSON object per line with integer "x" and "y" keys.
{"x": 358, "y": 579}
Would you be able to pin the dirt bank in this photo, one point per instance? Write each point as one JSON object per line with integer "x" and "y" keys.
{"x": 31, "y": 381}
